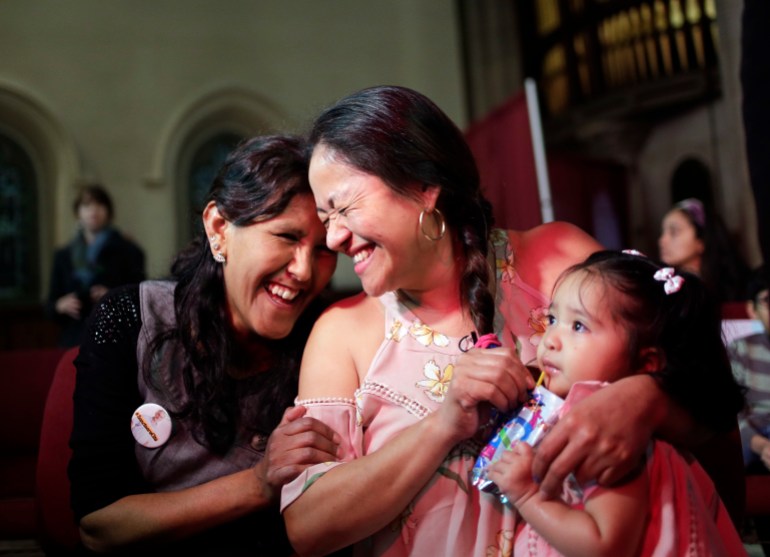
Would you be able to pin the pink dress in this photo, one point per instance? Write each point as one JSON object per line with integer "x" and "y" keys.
{"x": 408, "y": 379}
{"x": 686, "y": 516}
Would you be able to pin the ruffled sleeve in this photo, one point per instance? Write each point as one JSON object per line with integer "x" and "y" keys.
{"x": 339, "y": 414}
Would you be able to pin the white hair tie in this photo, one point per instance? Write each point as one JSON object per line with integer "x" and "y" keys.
{"x": 671, "y": 281}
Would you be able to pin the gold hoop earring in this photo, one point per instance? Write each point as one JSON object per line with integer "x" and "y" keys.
{"x": 438, "y": 217}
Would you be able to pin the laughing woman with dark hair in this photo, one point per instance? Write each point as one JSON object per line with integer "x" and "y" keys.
{"x": 204, "y": 368}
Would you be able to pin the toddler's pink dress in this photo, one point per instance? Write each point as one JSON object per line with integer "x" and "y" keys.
{"x": 686, "y": 516}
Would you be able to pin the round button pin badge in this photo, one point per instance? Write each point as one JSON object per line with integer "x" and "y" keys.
{"x": 151, "y": 425}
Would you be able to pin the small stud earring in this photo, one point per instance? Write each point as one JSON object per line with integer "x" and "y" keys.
{"x": 219, "y": 258}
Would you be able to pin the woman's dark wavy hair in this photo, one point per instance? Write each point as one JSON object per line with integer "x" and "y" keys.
{"x": 256, "y": 183}
{"x": 402, "y": 137}
{"x": 684, "y": 326}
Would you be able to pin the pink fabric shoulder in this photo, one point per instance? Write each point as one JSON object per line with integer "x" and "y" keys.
{"x": 686, "y": 516}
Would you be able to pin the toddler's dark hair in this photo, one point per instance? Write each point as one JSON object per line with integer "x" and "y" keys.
{"x": 685, "y": 326}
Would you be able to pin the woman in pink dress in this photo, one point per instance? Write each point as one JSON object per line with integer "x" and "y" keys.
{"x": 392, "y": 369}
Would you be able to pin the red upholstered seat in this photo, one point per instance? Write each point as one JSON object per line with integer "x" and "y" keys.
{"x": 25, "y": 376}
{"x": 57, "y": 531}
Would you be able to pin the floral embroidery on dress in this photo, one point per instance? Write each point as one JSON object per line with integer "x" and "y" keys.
{"x": 503, "y": 545}
{"x": 397, "y": 331}
{"x": 504, "y": 264}
{"x": 427, "y": 336}
{"x": 538, "y": 322}
{"x": 437, "y": 382}
{"x": 310, "y": 481}
{"x": 498, "y": 237}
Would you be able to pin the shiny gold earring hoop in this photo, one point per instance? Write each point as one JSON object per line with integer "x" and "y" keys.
{"x": 438, "y": 217}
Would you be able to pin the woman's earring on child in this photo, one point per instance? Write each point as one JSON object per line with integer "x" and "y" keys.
{"x": 218, "y": 257}
{"x": 440, "y": 224}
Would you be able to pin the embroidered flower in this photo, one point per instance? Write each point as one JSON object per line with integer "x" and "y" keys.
{"x": 505, "y": 266}
{"x": 397, "y": 331}
{"x": 538, "y": 322}
{"x": 498, "y": 236}
{"x": 504, "y": 547}
{"x": 425, "y": 335}
{"x": 437, "y": 382}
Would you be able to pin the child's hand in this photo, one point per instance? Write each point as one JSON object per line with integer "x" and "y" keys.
{"x": 513, "y": 474}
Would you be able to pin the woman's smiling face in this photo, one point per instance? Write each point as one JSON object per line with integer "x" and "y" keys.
{"x": 275, "y": 268}
{"x": 370, "y": 223}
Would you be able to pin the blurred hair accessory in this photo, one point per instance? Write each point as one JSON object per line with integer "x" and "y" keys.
{"x": 671, "y": 281}
{"x": 694, "y": 208}
{"x": 634, "y": 252}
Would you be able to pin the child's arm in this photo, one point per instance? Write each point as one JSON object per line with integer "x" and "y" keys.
{"x": 612, "y": 523}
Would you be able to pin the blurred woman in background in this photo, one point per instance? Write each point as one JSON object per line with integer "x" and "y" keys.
{"x": 694, "y": 239}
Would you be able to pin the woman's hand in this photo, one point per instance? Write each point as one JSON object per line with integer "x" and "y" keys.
{"x": 97, "y": 292}
{"x": 69, "y": 304}
{"x": 495, "y": 376}
{"x": 512, "y": 473}
{"x": 602, "y": 437}
{"x": 294, "y": 445}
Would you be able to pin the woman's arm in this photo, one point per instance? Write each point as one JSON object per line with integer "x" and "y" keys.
{"x": 604, "y": 436}
{"x": 163, "y": 517}
{"x": 364, "y": 495}
{"x": 612, "y": 522}
{"x": 542, "y": 253}
{"x": 115, "y": 506}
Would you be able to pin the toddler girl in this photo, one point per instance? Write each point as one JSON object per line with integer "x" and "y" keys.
{"x": 615, "y": 312}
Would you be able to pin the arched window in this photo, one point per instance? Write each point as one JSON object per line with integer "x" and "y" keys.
{"x": 692, "y": 178}
{"x": 205, "y": 164}
{"x": 19, "y": 273}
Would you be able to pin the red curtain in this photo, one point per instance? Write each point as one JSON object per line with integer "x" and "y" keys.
{"x": 589, "y": 193}
{"x": 502, "y": 145}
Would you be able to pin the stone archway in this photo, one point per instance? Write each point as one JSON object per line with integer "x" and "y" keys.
{"x": 29, "y": 124}
{"x": 222, "y": 111}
